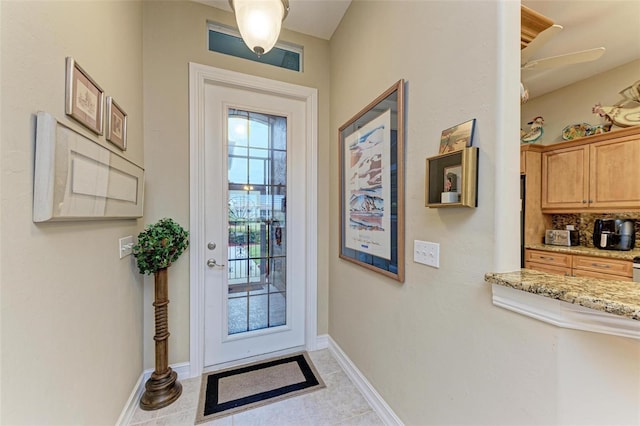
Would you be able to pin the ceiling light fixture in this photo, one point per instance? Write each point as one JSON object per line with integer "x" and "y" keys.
{"x": 259, "y": 22}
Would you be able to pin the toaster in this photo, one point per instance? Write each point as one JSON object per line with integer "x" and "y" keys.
{"x": 559, "y": 237}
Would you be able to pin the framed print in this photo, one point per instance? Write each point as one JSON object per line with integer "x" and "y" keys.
{"x": 457, "y": 137}
{"x": 372, "y": 185}
{"x": 83, "y": 97}
{"x": 116, "y": 124}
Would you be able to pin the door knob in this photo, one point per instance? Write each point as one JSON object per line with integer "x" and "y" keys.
{"x": 211, "y": 263}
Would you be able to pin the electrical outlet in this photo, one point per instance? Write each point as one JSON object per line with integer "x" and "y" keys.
{"x": 125, "y": 246}
{"x": 426, "y": 253}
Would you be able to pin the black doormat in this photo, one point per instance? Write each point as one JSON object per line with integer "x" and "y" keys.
{"x": 236, "y": 389}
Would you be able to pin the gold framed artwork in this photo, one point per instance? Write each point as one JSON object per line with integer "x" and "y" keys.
{"x": 458, "y": 137}
{"x": 451, "y": 179}
{"x": 84, "y": 98}
{"x": 116, "y": 124}
{"x": 372, "y": 185}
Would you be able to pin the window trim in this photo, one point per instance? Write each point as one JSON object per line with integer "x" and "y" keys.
{"x": 233, "y": 32}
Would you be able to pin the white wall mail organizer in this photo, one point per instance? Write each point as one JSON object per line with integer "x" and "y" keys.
{"x": 77, "y": 179}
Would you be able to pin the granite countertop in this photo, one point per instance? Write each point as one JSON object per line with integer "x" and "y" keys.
{"x": 615, "y": 297}
{"x": 587, "y": 251}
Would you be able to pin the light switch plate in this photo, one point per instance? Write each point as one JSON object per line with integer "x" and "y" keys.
{"x": 125, "y": 246}
{"x": 426, "y": 253}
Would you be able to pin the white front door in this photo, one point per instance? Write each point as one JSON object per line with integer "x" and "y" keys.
{"x": 254, "y": 223}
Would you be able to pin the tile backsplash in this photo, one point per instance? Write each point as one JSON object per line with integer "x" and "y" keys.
{"x": 583, "y": 222}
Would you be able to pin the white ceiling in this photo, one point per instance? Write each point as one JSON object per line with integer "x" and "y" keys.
{"x": 613, "y": 24}
{"x": 318, "y": 18}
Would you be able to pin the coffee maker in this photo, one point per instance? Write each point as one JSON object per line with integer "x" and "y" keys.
{"x": 614, "y": 234}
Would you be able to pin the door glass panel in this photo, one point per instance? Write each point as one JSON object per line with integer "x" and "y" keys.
{"x": 237, "y": 317}
{"x": 257, "y": 172}
{"x": 238, "y": 165}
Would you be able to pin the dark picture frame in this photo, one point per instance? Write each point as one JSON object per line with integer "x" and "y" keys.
{"x": 116, "y": 124}
{"x": 458, "y": 137}
{"x": 84, "y": 99}
{"x": 372, "y": 185}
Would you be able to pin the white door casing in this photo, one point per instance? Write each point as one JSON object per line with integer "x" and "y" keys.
{"x": 200, "y": 78}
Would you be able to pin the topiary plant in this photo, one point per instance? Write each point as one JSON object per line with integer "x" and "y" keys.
{"x": 159, "y": 245}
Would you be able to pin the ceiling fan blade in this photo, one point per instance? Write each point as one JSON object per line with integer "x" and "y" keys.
{"x": 567, "y": 59}
{"x": 538, "y": 42}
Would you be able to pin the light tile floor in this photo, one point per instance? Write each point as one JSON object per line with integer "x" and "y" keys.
{"x": 340, "y": 403}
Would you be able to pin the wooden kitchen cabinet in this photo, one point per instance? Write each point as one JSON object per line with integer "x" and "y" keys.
{"x": 548, "y": 258}
{"x": 546, "y": 261}
{"x": 599, "y": 275}
{"x": 598, "y": 267}
{"x": 565, "y": 178}
{"x": 549, "y": 269}
{"x": 535, "y": 222}
{"x": 578, "y": 265}
{"x": 614, "y": 174}
{"x": 598, "y": 173}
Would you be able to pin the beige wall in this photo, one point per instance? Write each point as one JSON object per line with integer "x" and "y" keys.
{"x": 71, "y": 309}
{"x": 174, "y": 35}
{"x": 435, "y": 347}
{"x": 572, "y": 104}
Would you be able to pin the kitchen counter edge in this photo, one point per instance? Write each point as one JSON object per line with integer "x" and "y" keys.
{"x": 620, "y": 298}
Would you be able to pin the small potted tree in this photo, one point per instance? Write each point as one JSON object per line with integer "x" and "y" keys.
{"x": 158, "y": 246}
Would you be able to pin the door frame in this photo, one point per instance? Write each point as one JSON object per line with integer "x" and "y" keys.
{"x": 200, "y": 76}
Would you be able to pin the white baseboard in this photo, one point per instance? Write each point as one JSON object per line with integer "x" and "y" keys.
{"x": 322, "y": 342}
{"x": 372, "y": 396}
{"x": 132, "y": 403}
